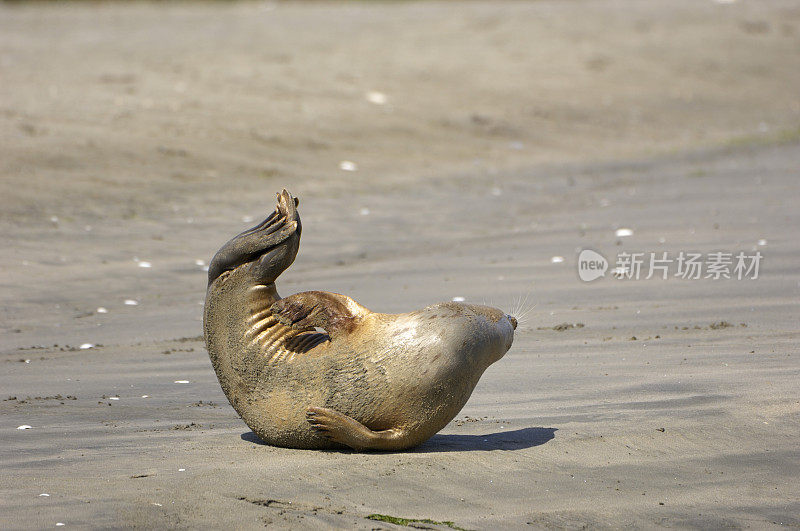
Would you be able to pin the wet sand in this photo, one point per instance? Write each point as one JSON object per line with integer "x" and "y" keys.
{"x": 511, "y": 133}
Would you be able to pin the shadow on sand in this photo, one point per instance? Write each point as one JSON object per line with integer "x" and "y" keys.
{"x": 502, "y": 440}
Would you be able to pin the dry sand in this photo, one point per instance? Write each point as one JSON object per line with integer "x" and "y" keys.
{"x": 511, "y": 133}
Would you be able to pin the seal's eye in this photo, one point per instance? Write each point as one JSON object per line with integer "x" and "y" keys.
{"x": 513, "y": 321}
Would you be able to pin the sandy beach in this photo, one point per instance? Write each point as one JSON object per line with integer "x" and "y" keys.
{"x": 440, "y": 150}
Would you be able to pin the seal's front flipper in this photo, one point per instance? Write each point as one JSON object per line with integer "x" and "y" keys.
{"x": 337, "y": 314}
{"x": 269, "y": 247}
{"x": 348, "y": 431}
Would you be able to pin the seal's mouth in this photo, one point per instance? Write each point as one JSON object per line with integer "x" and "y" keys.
{"x": 513, "y": 321}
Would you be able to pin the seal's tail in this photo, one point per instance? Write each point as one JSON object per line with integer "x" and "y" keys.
{"x": 267, "y": 249}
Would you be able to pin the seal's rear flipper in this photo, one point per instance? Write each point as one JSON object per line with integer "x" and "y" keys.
{"x": 337, "y": 314}
{"x": 269, "y": 247}
{"x": 348, "y": 431}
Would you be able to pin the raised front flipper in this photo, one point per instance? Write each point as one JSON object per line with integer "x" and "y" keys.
{"x": 268, "y": 248}
{"x": 337, "y": 314}
{"x": 346, "y": 430}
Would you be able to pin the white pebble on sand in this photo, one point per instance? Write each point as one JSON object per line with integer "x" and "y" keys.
{"x": 557, "y": 259}
{"x": 200, "y": 263}
{"x": 378, "y": 98}
{"x": 146, "y": 265}
{"x": 762, "y": 243}
{"x": 181, "y": 470}
{"x": 131, "y": 302}
{"x": 364, "y": 211}
{"x": 102, "y": 310}
{"x": 44, "y": 495}
{"x": 621, "y": 233}
{"x": 86, "y": 346}
{"x": 458, "y": 299}
{"x": 113, "y": 398}
{"x": 348, "y": 165}
{"x": 24, "y": 427}
{"x": 145, "y": 396}
{"x": 181, "y": 381}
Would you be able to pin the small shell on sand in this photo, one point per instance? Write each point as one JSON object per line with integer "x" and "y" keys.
{"x": 378, "y": 98}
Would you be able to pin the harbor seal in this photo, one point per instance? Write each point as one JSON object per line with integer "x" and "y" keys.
{"x": 318, "y": 370}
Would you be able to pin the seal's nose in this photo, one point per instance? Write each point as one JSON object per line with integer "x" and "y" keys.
{"x": 513, "y": 321}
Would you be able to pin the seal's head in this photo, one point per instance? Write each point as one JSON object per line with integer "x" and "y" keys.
{"x": 498, "y": 331}
{"x": 480, "y": 334}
